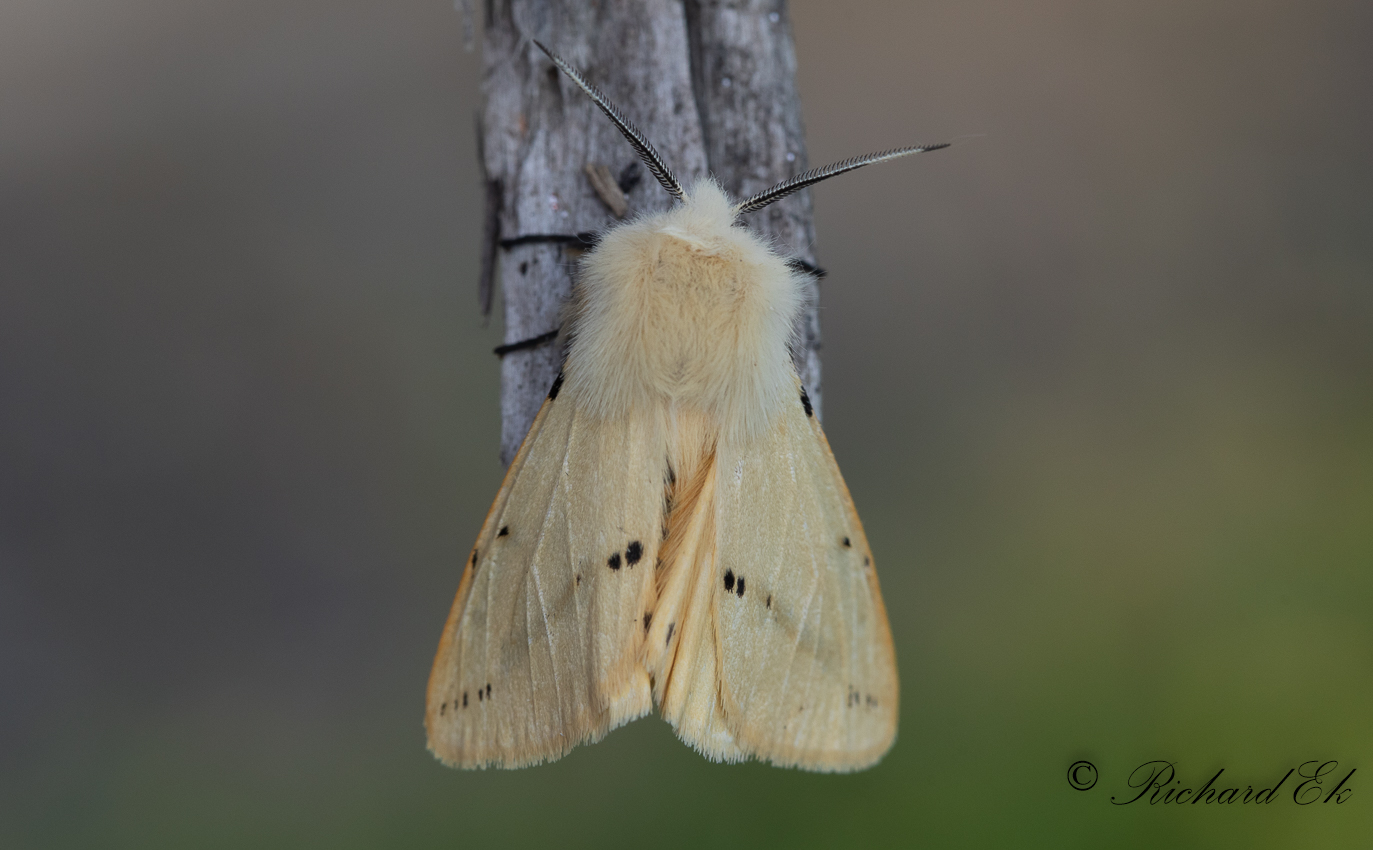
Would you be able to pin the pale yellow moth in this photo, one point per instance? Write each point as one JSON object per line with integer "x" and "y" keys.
{"x": 674, "y": 529}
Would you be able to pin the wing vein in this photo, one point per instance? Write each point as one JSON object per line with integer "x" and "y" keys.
{"x": 796, "y": 643}
{"x": 559, "y": 483}
{"x": 543, "y": 614}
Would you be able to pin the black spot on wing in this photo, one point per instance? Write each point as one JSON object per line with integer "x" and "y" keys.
{"x": 671, "y": 627}
{"x": 443, "y": 708}
{"x": 634, "y": 553}
{"x": 614, "y": 561}
{"x": 867, "y": 561}
{"x": 488, "y": 690}
{"x": 474, "y": 557}
{"x": 464, "y": 699}
{"x": 557, "y": 385}
{"x": 739, "y": 588}
{"x": 769, "y": 602}
{"x": 648, "y": 620}
{"x": 504, "y": 532}
{"x": 729, "y": 580}
{"x": 805, "y": 402}
{"x": 579, "y": 579}
{"x": 847, "y": 544}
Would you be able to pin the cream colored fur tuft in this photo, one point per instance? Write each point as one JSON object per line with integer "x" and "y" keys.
{"x": 686, "y": 308}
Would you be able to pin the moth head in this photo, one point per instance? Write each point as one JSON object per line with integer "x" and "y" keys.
{"x": 660, "y": 170}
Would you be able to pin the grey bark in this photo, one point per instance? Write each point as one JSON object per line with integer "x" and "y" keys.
{"x": 711, "y": 84}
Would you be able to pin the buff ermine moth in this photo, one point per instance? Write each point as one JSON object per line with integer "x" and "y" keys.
{"x": 674, "y": 530}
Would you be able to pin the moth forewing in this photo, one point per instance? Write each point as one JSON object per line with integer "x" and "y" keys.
{"x": 808, "y": 671}
{"x": 541, "y": 649}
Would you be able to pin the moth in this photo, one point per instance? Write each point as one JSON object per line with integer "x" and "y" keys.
{"x": 674, "y": 530}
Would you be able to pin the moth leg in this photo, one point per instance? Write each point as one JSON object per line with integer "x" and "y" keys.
{"x": 797, "y": 264}
{"x": 586, "y": 240}
{"x": 525, "y": 344}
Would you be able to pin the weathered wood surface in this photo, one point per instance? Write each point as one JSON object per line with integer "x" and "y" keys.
{"x": 711, "y": 84}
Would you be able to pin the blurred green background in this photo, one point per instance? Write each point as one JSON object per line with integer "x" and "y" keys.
{"x": 1100, "y": 382}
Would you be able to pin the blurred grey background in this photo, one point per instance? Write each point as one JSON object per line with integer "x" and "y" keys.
{"x": 1099, "y": 380}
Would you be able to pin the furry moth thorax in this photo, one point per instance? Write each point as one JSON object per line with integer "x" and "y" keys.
{"x": 689, "y": 308}
{"x": 685, "y": 310}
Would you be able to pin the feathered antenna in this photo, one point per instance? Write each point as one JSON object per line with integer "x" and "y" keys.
{"x": 815, "y": 175}
{"x": 641, "y": 145}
